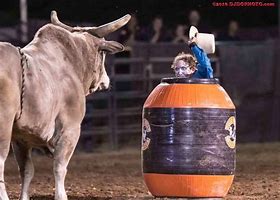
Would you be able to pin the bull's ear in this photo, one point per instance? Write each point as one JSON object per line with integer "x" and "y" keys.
{"x": 111, "y": 47}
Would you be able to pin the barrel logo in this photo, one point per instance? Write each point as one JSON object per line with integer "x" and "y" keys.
{"x": 146, "y": 128}
{"x": 231, "y": 137}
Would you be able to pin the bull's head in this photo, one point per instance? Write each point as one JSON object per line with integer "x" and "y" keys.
{"x": 100, "y": 45}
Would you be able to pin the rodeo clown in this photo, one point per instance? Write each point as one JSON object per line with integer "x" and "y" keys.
{"x": 188, "y": 66}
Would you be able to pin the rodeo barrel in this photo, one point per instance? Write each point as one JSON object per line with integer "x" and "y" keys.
{"x": 188, "y": 139}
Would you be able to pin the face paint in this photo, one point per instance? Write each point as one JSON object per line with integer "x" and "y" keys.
{"x": 183, "y": 70}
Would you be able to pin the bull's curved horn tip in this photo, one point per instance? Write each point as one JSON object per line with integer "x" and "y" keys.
{"x": 53, "y": 16}
{"x": 53, "y": 13}
{"x": 128, "y": 16}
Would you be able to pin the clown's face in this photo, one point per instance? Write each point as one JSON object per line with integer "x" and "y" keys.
{"x": 183, "y": 69}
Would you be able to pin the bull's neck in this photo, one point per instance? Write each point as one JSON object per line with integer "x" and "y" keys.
{"x": 83, "y": 64}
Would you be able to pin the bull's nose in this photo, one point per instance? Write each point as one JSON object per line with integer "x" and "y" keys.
{"x": 103, "y": 86}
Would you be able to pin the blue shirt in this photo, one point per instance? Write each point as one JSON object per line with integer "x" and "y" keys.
{"x": 204, "y": 69}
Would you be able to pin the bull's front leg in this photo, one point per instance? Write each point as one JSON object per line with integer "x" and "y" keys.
{"x": 6, "y": 124}
{"x": 4, "y": 146}
{"x": 63, "y": 152}
{"x": 26, "y": 168}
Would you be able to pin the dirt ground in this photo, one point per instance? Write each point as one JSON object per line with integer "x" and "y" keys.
{"x": 117, "y": 175}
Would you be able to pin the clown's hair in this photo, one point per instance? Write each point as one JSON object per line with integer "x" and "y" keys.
{"x": 188, "y": 58}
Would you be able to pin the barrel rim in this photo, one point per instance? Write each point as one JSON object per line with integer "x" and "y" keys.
{"x": 190, "y": 80}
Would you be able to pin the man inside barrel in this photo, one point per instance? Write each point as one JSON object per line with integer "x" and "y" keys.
{"x": 189, "y": 66}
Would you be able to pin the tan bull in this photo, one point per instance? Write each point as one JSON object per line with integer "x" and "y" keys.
{"x": 42, "y": 94}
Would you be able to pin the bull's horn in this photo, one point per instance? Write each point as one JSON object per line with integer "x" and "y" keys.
{"x": 102, "y": 31}
{"x": 55, "y": 21}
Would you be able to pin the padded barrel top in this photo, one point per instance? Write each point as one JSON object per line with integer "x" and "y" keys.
{"x": 189, "y": 93}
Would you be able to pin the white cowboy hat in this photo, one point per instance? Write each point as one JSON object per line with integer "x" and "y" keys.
{"x": 205, "y": 41}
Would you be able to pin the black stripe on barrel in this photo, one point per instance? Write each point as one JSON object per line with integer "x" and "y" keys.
{"x": 188, "y": 141}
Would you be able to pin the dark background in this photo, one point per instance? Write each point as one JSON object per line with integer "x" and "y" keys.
{"x": 100, "y": 11}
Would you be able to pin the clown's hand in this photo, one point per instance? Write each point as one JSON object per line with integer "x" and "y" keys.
{"x": 192, "y": 41}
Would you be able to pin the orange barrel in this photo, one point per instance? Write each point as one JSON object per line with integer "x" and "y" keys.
{"x": 188, "y": 139}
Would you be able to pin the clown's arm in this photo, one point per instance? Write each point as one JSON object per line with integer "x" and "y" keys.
{"x": 204, "y": 69}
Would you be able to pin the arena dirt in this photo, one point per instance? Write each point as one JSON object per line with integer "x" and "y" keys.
{"x": 117, "y": 175}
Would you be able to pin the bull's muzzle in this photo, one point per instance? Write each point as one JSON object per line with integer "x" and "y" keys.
{"x": 104, "y": 82}
{"x": 103, "y": 86}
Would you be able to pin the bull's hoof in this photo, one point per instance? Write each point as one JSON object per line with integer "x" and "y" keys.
{"x": 60, "y": 197}
{"x": 3, "y": 193}
{"x": 4, "y": 196}
{"x": 24, "y": 198}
